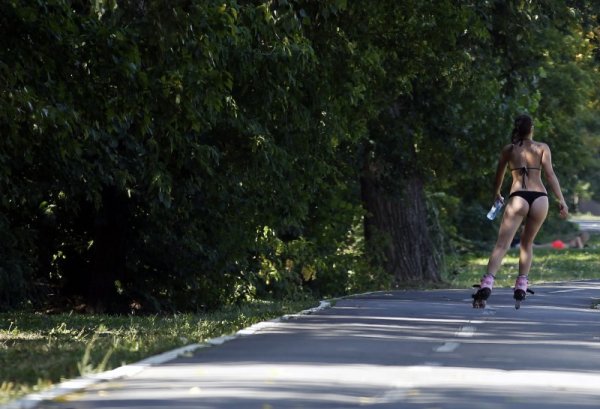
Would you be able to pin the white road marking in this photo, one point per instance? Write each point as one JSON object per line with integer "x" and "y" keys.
{"x": 464, "y": 332}
{"x": 571, "y": 290}
{"x": 447, "y": 347}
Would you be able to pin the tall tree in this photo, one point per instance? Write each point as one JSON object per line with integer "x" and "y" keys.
{"x": 424, "y": 68}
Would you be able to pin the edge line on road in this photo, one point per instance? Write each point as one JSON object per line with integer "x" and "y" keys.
{"x": 77, "y": 384}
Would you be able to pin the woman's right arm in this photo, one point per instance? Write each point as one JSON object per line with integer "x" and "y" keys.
{"x": 500, "y": 171}
{"x": 553, "y": 181}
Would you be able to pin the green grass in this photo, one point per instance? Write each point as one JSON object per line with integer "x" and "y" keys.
{"x": 549, "y": 265}
{"x": 38, "y": 350}
{"x": 584, "y": 216}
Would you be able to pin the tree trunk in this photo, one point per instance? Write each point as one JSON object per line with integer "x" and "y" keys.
{"x": 108, "y": 257}
{"x": 396, "y": 229}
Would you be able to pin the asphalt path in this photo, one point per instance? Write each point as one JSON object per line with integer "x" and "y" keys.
{"x": 401, "y": 349}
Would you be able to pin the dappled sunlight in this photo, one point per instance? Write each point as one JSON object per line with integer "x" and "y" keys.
{"x": 254, "y": 384}
{"x": 582, "y": 256}
{"x": 6, "y": 336}
{"x": 549, "y": 265}
{"x": 402, "y": 348}
{"x": 543, "y": 256}
{"x": 584, "y": 310}
{"x": 579, "y": 285}
{"x": 409, "y": 319}
{"x": 395, "y": 350}
{"x": 482, "y": 262}
{"x": 487, "y": 334}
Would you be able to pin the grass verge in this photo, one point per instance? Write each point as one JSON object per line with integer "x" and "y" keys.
{"x": 549, "y": 265}
{"x": 38, "y": 350}
{"x": 584, "y": 216}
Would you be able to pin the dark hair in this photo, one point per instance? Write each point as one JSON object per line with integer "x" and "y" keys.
{"x": 522, "y": 128}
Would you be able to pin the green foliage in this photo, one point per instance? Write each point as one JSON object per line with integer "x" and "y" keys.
{"x": 539, "y": 60}
{"x": 184, "y": 155}
{"x": 157, "y": 143}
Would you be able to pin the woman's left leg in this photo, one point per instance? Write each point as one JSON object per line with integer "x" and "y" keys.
{"x": 516, "y": 209}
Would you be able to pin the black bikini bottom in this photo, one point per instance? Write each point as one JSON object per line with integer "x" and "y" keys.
{"x": 528, "y": 195}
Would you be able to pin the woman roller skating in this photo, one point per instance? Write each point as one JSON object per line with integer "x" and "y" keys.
{"x": 528, "y": 201}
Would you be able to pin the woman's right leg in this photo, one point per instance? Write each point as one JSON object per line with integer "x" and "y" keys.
{"x": 516, "y": 209}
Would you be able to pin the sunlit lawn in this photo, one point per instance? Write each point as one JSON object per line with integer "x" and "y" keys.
{"x": 549, "y": 265}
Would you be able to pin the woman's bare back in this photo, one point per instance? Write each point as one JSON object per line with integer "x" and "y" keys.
{"x": 525, "y": 161}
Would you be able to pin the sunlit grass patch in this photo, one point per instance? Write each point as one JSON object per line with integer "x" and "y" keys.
{"x": 573, "y": 264}
{"x": 549, "y": 265}
{"x": 584, "y": 216}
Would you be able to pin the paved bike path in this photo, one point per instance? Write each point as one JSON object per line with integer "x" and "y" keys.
{"x": 401, "y": 349}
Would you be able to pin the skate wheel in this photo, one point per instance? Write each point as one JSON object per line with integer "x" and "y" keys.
{"x": 478, "y": 303}
{"x": 517, "y": 304}
{"x": 519, "y": 295}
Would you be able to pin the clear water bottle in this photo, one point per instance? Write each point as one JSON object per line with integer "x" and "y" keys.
{"x": 495, "y": 209}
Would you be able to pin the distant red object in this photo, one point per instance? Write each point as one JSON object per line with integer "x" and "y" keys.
{"x": 558, "y": 244}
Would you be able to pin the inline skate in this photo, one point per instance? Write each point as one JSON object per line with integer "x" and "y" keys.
{"x": 484, "y": 291}
{"x": 521, "y": 290}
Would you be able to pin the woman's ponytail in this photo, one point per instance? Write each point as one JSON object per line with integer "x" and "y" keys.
{"x": 514, "y": 137}
{"x": 522, "y": 128}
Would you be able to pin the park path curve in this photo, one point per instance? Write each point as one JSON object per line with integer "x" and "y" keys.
{"x": 399, "y": 349}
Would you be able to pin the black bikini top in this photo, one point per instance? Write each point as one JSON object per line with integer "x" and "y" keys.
{"x": 524, "y": 171}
